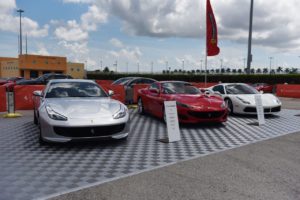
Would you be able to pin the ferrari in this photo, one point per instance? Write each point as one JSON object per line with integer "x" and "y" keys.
{"x": 192, "y": 105}
{"x": 240, "y": 98}
{"x": 73, "y": 110}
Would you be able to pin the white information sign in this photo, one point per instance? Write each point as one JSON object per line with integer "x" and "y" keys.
{"x": 172, "y": 121}
{"x": 259, "y": 110}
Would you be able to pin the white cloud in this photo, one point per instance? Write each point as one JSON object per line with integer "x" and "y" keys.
{"x": 71, "y": 32}
{"x": 10, "y": 22}
{"x": 42, "y": 50}
{"x": 90, "y": 19}
{"x": 117, "y": 43}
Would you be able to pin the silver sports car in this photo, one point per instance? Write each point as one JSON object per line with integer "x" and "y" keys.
{"x": 71, "y": 110}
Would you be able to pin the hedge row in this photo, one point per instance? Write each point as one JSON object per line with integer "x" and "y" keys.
{"x": 272, "y": 79}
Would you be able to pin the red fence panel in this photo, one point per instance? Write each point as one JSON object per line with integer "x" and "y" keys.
{"x": 23, "y": 96}
{"x": 202, "y": 85}
{"x": 136, "y": 88}
{"x": 119, "y": 91}
{"x": 105, "y": 82}
{"x": 2, "y": 98}
{"x": 284, "y": 90}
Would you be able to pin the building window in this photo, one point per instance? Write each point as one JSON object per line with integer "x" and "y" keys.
{"x": 72, "y": 69}
{"x": 78, "y": 69}
{"x": 33, "y": 62}
{"x": 46, "y": 62}
{"x": 34, "y": 74}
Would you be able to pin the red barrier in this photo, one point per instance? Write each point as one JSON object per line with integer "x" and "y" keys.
{"x": 104, "y": 82}
{"x": 2, "y": 99}
{"x": 23, "y": 96}
{"x": 136, "y": 88}
{"x": 284, "y": 90}
{"x": 202, "y": 85}
{"x": 119, "y": 91}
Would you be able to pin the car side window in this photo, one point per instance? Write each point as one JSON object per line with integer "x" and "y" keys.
{"x": 154, "y": 86}
{"x": 147, "y": 81}
{"x": 219, "y": 88}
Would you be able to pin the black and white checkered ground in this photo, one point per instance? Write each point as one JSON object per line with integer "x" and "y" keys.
{"x": 30, "y": 171}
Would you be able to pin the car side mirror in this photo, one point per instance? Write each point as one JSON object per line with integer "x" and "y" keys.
{"x": 37, "y": 93}
{"x": 110, "y": 93}
{"x": 218, "y": 93}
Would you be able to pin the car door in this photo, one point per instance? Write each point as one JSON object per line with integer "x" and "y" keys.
{"x": 155, "y": 101}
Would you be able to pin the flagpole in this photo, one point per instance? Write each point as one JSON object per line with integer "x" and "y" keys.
{"x": 205, "y": 73}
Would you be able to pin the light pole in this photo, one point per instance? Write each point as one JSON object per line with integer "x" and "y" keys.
{"x": 182, "y": 65}
{"x": 127, "y": 67}
{"x": 167, "y": 66}
{"x": 138, "y": 67}
{"x": 221, "y": 60}
{"x": 249, "y": 57}
{"x": 101, "y": 65}
{"x": 271, "y": 58}
{"x": 151, "y": 67}
{"x": 20, "y": 11}
{"x": 201, "y": 61}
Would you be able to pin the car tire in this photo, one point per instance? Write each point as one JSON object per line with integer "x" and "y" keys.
{"x": 229, "y": 106}
{"x": 141, "y": 109}
{"x": 35, "y": 120}
{"x": 41, "y": 140}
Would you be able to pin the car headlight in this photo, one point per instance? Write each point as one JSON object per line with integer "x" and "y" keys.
{"x": 120, "y": 113}
{"x": 243, "y": 100}
{"x": 277, "y": 101}
{"x": 55, "y": 115}
{"x": 182, "y": 105}
{"x": 223, "y": 105}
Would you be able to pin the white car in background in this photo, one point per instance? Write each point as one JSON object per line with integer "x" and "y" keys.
{"x": 240, "y": 98}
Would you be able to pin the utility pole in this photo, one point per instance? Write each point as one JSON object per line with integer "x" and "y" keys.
{"x": 26, "y": 44}
{"x": 138, "y": 67}
{"x": 221, "y": 60}
{"x": 271, "y": 58}
{"x": 20, "y": 11}
{"x": 101, "y": 65}
{"x": 167, "y": 66}
{"x": 127, "y": 67}
{"x": 151, "y": 67}
{"x": 182, "y": 65}
{"x": 201, "y": 61}
{"x": 249, "y": 57}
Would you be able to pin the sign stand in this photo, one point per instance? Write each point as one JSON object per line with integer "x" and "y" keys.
{"x": 172, "y": 123}
{"x": 11, "y": 106}
{"x": 259, "y": 110}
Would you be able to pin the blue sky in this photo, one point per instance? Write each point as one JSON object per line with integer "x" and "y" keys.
{"x": 145, "y": 31}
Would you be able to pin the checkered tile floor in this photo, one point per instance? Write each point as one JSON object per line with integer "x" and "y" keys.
{"x": 30, "y": 171}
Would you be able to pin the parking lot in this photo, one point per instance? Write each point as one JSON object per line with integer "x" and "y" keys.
{"x": 30, "y": 171}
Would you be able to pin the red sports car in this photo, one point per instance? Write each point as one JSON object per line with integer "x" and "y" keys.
{"x": 266, "y": 88}
{"x": 192, "y": 105}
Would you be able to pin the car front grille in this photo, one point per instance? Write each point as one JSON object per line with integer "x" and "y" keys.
{"x": 205, "y": 115}
{"x": 94, "y": 131}
{"x": 266, "y": 110}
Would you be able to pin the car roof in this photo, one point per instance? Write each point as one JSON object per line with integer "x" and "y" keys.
{"x": 173, "y": 82}
{"x": 71, "y": 81}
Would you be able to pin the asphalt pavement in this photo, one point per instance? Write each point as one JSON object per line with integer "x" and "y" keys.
{"x": 264, "y": 170}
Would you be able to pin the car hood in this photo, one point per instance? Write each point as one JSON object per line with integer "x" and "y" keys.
{"x": 267, "y": 99}
{"x": 84, "y": 108}
{"x": 199, "y": 100}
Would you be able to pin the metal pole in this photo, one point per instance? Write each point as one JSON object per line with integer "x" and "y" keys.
{"x": 182, "y": 65}
{"x": 201, "y": 61}
{"x": 270, "y": 64}
{"x": 152, "y": 67}
{"x": 221, "y": 65}
{"x": 26, "y": 44}
{"x": 101, "y": 65}
{"x": 138, "y": 66}
{"x": 20, "y": 11}
{"x": 249, "y": 57}
{"x": 127, "y": 67}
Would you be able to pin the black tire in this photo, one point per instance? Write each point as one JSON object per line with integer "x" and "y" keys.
{"x": 35, "y": 120}
{"x": 41, "y": 140}
{"x": 141, "y": 109}
{"x": 229, "y": 105}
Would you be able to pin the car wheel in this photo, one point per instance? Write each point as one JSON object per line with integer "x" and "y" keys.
{"x": 35, "y": 120}
{"x": 141, "y": 109}
{"x": 229, "y": 105}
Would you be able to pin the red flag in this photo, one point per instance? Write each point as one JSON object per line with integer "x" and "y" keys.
{"x": 211, "y": 32}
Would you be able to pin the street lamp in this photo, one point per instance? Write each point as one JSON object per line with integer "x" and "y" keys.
{"x": 221, "y": 60}
{"x": 182, "y": 64}
{"x": 138, "y": 67}
{"x": 167, "y": 66}
{"x": 20, "y": 11}
{"x": 270, "y": 64}
{"x": 151, "y": 67}
{"x": 249, "y": 56}
{"x": 201, "y": 61}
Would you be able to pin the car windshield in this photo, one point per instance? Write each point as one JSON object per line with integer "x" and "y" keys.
{"x": 121, "y": 81}
{"x": 179, "y": 88}
{"x": 74, "y": 89}
{"x": 240, "y": 89}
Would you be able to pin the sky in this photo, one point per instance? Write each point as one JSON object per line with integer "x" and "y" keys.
{"x": 129, "y": 34}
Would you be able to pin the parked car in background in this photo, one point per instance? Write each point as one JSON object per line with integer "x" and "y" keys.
{"x": 44, "y": 79}
{"x": 265, "y": 87}
{"x": 129, "y": 82}
{"x": 73, "y": 110}
{"x": 192, "y": 105}
{"x": 11, "y": 82}
{"x": 10, "y": 79}
{"x": 240, "y": 98}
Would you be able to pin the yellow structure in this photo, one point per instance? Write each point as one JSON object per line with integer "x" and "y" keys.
{"x": 33, "y": 66}
{"x": 76, "y": 70}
